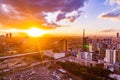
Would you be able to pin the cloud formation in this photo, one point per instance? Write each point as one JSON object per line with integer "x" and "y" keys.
{"x": 112, "y": 2}
{"x": 21, "y": 13}
{"x": 114, "y": 14}
{"x": 110, "y": 30}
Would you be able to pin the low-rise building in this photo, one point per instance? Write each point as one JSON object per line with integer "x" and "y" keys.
{"x": 50, "y": 53}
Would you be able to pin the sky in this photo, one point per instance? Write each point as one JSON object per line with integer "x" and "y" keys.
{"x": 65, "y": 17}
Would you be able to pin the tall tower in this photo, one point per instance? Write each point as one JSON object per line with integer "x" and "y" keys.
{"x": 65, "y": 46}
{"x": 10, "y": 35}
{"x": 83, "y": 38}
{"x": 85, "y": 42}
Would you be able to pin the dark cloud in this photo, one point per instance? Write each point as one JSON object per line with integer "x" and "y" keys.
{"x": 21, "y": 13}
{"x": 73, "y": 17}
{"x": 60, "y": 16}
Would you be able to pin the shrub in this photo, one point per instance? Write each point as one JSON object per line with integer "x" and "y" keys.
{"x": 52, "y": 66}
{"x": 83, "y": 70}
{"x": 88, "y": 76}
{"x": 88, "y": 73}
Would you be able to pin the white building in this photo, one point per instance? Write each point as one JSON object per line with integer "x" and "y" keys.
{"x": 85, "y": 55}
{"x": 118, "y": 46}
{"x": 85, "y": 58}
{"x": 110, "y": 56}
{"x": 90, "y": 48}
{"x": 50, "y": 53}
{"x": 59, "y": 55}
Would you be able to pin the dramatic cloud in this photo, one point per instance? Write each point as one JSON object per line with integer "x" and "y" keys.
{"x": 23, "y": 13}
{"x": 60, "y": 16}
{"x": 114, "y": 14}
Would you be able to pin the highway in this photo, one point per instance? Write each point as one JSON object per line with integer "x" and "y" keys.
{"x": 18, "y": 55}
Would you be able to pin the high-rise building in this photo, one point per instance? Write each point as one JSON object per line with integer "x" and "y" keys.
{"x": 7, "y": 35}
{"x": 117, "y": 35}
{"x": 102, "y": 53}
{"x": 65, "y": 46}
{"x": 110, "y": 56}
{"x": 85, "y": 42}
{"x": 10, "y": 35}
{"x": 118, "y": 56}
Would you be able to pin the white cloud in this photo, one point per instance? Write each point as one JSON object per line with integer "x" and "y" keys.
{"x": 113, "y": 14}
{"x": 112, "y": 2}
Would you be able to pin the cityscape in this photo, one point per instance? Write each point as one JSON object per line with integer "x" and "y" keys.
{"x": 59, "y": 39}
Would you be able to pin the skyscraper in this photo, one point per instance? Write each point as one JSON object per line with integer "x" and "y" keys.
{"x": 65, "y": 46}
{"x": 7, "y": 35}
{"x": 10, "y": 35}
{"x": 117, "y": 35}
{"x": 85, "y": 42}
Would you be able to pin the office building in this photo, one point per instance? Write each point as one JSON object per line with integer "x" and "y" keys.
{"x": 85, "y": 42}
{"x": 117, "y": 35}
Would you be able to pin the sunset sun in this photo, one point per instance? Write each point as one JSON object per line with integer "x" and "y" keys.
{"x": 35, "y": 32}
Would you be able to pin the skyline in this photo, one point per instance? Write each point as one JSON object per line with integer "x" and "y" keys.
{"x": 98, "y": 17}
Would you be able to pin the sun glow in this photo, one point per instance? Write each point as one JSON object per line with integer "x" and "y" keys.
{"x": 35, "y": 32}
